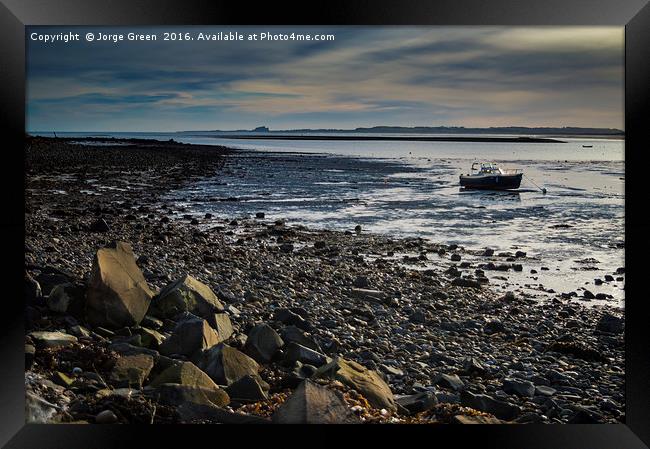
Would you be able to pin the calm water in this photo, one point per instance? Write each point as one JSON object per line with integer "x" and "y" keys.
{"x": 411, "y": 189}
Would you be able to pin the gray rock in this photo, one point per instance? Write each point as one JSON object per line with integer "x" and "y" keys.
{"x": 451, "y": 381}
{"x": 191, "y": 335}
{"x": 46, "y": 339}
{"x": 262, "y": 343}
{"x": 311, "y": 403}
{"x": 294, "y": 352}
{"x": 610, "y": 323}
{"x": 293, "y": 334}
{"x": 248, "y": 389}
{"x": 485, "y": 403}
{"x": 226, "y": 365}
{"x": 187, "y": 294}
{"x": 416, "y": 403}
{"x": 523, "y": 388}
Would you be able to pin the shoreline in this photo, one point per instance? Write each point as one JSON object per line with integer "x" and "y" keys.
{"x": 427, "y": 334}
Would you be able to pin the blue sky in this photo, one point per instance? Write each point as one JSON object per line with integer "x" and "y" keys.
{"x": 408, "y": 76}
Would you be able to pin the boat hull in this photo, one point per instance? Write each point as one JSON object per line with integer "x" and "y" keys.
{"x": 491, "y": 182}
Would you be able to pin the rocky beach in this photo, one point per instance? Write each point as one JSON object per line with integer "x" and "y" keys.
{"x": 139, "y": 312}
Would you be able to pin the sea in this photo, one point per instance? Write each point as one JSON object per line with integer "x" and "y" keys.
{"x": 572, "y": 234}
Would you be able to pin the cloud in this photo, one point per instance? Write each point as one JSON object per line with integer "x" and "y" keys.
{"x": 469, "y": 76}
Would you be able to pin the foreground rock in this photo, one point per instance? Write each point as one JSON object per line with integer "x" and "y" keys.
{"x": 311, "y": 403}
{"x": 117, "y": 295}
{"x": 190, "y": 336}
{"x": 365, "y": 381}
{"x": 262, "y": 343}
{"x": 187, "y": 295}
{"x": 226, "y": 365}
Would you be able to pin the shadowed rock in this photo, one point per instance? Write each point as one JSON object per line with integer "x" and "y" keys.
{"x": 226, "y": 365}
{"x": 311, "y": 403}
{"x": 262, "y": 343}
{"x": 187, "y": 295}
{"x": 191, "y": 335}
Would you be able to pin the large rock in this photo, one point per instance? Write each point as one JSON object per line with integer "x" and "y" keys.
{"x": 311, "y": 403}
{"x": 262, "y": 343}
{"x": 190, "y": 335}
{"x": 187, "y": 295}
{"x": 118, "y": 294}
{"x": 485, "y": 403}
{"x": 299, "y": 353}
{"x": 220, "y": 322}
{"x": 293, "y": 334}
{"x": 248, "y": 389}
{"x": 365, "y": 381}
{"x": 131, "y": 371}
{"x": 226, "y": 365}
{"x": 176, "y": 395}
{"x": 46, "y": 339}
{"x": 523, "y": 388}
{"x": 185, "y": 373}
{"x": 610, "y": 323}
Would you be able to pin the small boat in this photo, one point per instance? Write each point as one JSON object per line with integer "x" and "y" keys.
{"x": 587, "y": 146}
{"x": 492, "y": 177}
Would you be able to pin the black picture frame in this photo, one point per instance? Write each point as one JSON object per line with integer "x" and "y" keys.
{"x": 633, "y": 14}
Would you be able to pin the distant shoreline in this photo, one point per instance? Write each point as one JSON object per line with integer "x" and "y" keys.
{"x": 394, "y": 138}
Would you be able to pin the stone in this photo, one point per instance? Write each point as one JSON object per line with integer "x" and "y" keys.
{"x": 294, "y": 352}
{"x": 544, "y": 390}
{"x": 106, "y": 417}
{"x": 221, "y": 323}
{"x": 46, "y": 339}
{"x": 485, "y": 403}
{"x": 471, "y": 366}
{"x": 184, "y": 373}
{"x": 451, "y": 381}
{"x": 611, "y": 324}
{"x": 466, "y": 419}
{"x": 150, "y": 338}
{"x": 262, "y": 343}
{"x": 419, "y": 402}
{"x": 61, "y": 296}
{"x": 522, "y": 388}
{"x": 99, "y": 225}
{"x": 361, "y": 282}
{"x": 176, "y": 395}
{"x": 30, "y": 352}
{"x": 33, "y": 292}
{"x": 286, "y": 316}
{"x": 465, "y": 282}
{"x": 418, "y": 317}
{"x": 311, "y": 403}
{"x": 117, "y": 294}
{"x": 187, "y": 294}
{"x": 494, "y": 327}
{"x": 38, "y": 410}
{"x": 131, "y": 371}
{"x": 226, "y": 365}
{"x": 367, "y": 382}
{"x": 190, "y": 335}
{"x": 455, "y": 257}
{"x": 293, "y": 334}
{"x": 248, "y": 389}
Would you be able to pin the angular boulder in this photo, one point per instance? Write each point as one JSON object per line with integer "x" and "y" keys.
{"x": 46, "y": 339}
{"x": 226, "y": 365}
{"x": 248, "y": 389}
{"x": 176, "y": 395}
{"x": 485, "y": 403}
{"x": 131, "y": 371}
{"x": 262, "y": 343}
{"x": 187, "y": 294}
{"x": 298, "y": 353}
{"x": 311, "y": 403}
{"x": 117, "y": 294}
{"x": 365, "y": 381}
{"x": 185, "y": 373}
{"x": 220, "y": 322}
{"x": 190, "y": 335}
{"x": 296, "y": 335}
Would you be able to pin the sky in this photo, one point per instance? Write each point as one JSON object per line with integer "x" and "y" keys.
{"x": 366, "y": 76}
